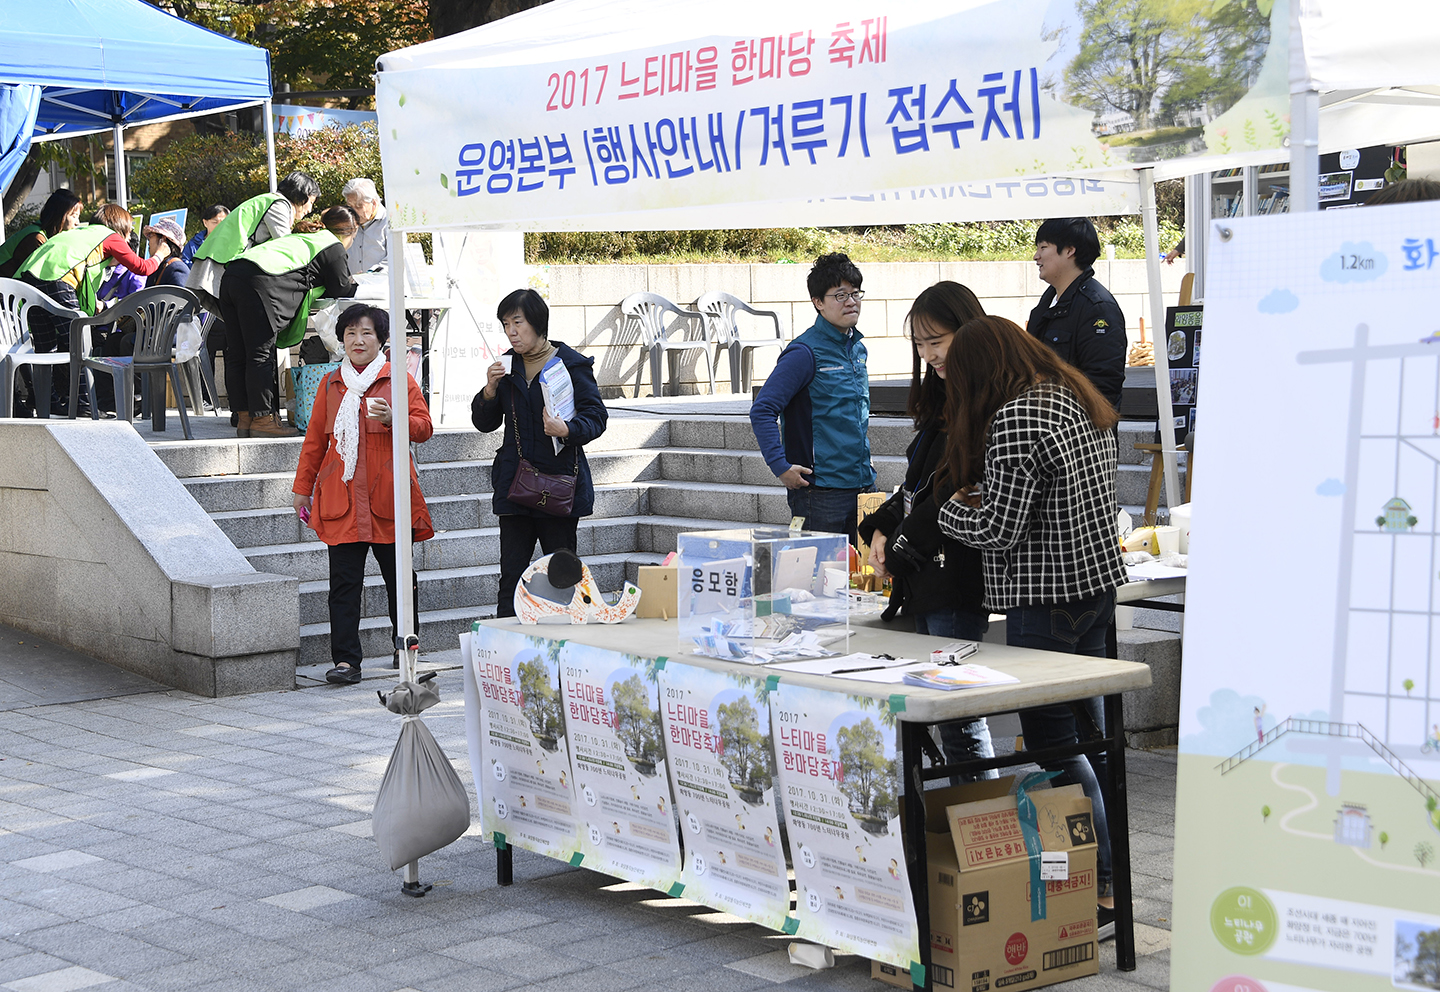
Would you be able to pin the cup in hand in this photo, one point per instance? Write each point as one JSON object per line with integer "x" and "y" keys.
{"x": 373, "y": 407}
{"x": 504, "y": 361}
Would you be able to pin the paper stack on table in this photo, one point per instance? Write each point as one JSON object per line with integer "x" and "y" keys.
{"x": 957, "y": 677}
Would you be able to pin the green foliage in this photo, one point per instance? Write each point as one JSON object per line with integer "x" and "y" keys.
{"x": 1420, "y": 959}
{"x": 870, "y": 782}
{"x": 561, "y": 247}
{"x": 1264, "y": 813}
{"x": 637, "y": 724}
{"x": 1384, "y": 839}
{"x": 1408, "y": 684}
{"x": 197, "y": 171}
{"x": 543, "y": 706}
{"x": 746, "y": 755}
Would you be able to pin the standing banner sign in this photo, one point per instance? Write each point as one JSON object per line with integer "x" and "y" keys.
{"x": 528, "y": 798}
{"x": 839, "y": 773}
{"x": 1307, "y": 840}
{"x": 717, "y": 735}
{"x": 612, "y": 707}
{"x": 581, "y": 113}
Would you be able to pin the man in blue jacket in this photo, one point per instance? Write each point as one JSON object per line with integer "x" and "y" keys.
{"x": 812, "y": 416}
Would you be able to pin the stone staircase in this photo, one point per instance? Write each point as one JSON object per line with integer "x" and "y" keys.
{"x": 655, "y": 477}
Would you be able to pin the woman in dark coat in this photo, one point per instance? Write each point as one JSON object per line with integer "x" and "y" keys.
{"x": 934, "y": 579}
{"x": 512, "y": 398}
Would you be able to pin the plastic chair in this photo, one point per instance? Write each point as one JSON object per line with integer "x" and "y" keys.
{"x": 650, "y": 312}
{"x": 721, "y": 311}
{"x": 16, "y": 348}
{"x": 157, "y": 313}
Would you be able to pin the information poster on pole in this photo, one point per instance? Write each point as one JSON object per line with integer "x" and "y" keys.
{"x": 840, "y": 782}
{"x": 529, "y": 798}
{"x": 1307, "y": 836}
{"x": 717, "y": 736}
{"x": 617, "y": 751}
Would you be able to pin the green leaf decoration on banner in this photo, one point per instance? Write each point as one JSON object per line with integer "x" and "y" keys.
{"x": 444, "y": 180}
{"x": 394, "y": 134}
{"x": 402, "y": 99}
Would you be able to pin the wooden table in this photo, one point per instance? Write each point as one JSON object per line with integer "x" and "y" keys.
{"x": 1046, "y": 678}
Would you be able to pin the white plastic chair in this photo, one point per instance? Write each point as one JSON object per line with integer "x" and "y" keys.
{"x": 722, "y": 327}
{"x": 16, "y": 348}
{"x": 658, "y": 320}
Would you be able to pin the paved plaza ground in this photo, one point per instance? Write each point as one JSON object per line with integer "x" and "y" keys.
{"x": 151, "y": 839}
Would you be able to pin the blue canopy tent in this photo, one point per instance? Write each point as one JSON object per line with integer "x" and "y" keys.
{"x": 104, "y": 65}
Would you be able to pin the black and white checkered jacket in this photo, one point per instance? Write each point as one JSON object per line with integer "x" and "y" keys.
{"x": 1046, "y": 524}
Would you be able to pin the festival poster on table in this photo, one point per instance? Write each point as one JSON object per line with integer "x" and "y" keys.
{"x": 612, "y": 706}
{"x": 529, "y": 797}
{"x": 840, "y": 781}
{"x": 1307, "y": 837}
{"x": 717, "y": 738}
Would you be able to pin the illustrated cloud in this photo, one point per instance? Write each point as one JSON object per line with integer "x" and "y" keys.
{"x": 1330, "y": 487}
{"x": 1279, "y": 301}
{"x": 1354, "y": 262}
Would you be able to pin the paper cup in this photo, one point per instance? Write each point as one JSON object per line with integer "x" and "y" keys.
{"x": 504, "y": 360}
{"x": 373, "y": 406}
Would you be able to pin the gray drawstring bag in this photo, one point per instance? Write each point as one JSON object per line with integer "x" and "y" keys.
{"x": 422, "y": 805}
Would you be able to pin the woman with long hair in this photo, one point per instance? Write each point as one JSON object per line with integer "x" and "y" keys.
{"x": 1031, "y": 459}
{"x": 61, "y": 212}
{"x": 935, "y": 580}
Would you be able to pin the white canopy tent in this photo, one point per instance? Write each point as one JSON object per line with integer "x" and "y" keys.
{"x": 602, "y": 114}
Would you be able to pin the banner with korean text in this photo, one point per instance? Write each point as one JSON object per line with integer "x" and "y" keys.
{"x": 1307, "y": 816}
{"x": 722, "y": 768}
{"x": 840, "y": 783}
{"x": 581, "y": 110}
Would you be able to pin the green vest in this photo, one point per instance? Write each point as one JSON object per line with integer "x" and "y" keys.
{"x": 280, "y": 255}
{"x": 232, "y": 235}
{"x": 69, "y": 251}
{"x": 7, "y": 250}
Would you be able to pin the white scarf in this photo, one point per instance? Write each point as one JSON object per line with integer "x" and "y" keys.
{"x": 347, "y": 418}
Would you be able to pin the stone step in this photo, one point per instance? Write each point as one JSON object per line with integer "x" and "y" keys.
{"x": 747, "y": 468}
{"x": 222, "y": 493}
{"x": 888, "y": 435}
{"x": 231, "y": 456}
{"x": 472, "y": 587}
{"x": 442, "y": 626}
{"x": 742, "y": 505}
{"x": 258, "y": 528}
{"x": 1152, "y": 715}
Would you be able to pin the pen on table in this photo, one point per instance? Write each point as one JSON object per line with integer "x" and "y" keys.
{"x": 871, "y": 668}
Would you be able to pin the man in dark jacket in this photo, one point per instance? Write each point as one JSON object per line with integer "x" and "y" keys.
{"x": 1077, "y": 317}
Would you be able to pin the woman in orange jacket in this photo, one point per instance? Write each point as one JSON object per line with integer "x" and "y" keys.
{"x": 344, "y": 485}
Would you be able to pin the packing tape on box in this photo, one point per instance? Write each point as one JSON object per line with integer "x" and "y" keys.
{"x": 1025, "y": 807}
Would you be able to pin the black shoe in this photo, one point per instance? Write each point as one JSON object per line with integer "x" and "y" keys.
{"x": 343, "y": 675}
{"x": 1105, "y": 921}
{"x": 395, "y": 662}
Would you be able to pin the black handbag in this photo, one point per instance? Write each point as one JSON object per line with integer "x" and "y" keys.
{"x": 547, "y": 492}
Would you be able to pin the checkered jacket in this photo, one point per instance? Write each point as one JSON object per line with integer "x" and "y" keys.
{"x": 1046, "y": 525}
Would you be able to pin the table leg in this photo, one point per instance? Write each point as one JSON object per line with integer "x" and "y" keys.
{"x": 1118, "y": 813}
{"x": 914, "y": 835}
{"x": 425, "y": 353}
{"x": 505, "y": 864}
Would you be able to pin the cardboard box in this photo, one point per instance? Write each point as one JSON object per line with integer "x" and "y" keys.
{"x": 981, "y": 934}
{"x": 659, "y": 592}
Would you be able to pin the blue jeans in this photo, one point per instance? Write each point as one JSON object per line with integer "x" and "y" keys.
{"x": 830, "y": 510}
{"x": 1071, "y": 628}
{"x": 961, "y": 740}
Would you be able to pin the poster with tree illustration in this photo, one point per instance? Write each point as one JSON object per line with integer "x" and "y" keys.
{"x": 617, "y": 750}
{"x": 840, "y": 787}
{"x": 717, "y": 736}
{"x": 529, "y": 797}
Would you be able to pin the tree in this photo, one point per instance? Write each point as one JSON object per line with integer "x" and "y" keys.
{"x": 1264, "y": 814}
{"x": 1407, "y": 685}
{"x": 745, "y": 756}
{"x": 543, "y": 706}
{"x": 1424, "y": 853}
{"x": 1193, "y": 52}
{"x": 1384, "y": 839}
{"x": 453, "y": 16}
{"x": 1422, "y": 958}
{"x": 869, "y": 779}
{"x": 637, "y": 724}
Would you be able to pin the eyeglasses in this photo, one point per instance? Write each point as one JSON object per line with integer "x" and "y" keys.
{"x": 843, "y": 297}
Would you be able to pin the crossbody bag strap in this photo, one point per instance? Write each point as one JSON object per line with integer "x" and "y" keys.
{"x": 515, "y": 423}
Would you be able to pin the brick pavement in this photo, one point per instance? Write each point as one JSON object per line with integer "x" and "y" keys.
{"x": 160, "y": 841}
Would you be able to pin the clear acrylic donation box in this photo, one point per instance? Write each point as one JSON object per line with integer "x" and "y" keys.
{"x": 746, "y": 590}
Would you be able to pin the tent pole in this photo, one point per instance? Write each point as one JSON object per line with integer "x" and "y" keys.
{"x": 1305, "y": 150}
{"x": 270, "y": 144}
{"x": 1157, "y": 335}
{"x": 122, "y": 195}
